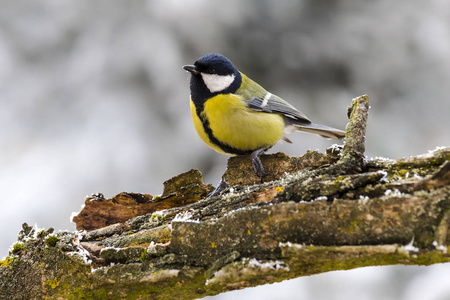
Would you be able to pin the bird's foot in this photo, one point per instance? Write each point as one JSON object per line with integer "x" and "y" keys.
{"x": 257, "y": 164}
{"x": 223, "y": 185}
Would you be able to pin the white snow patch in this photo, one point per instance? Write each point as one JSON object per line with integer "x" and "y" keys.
{"x": 182, "y": 216}
{"x": 385, "y": 174}
{"x": 363, "y": 199}
{"x": 273, "y": 265}
{"x": 290, "y": 245}
{"x": 394, "y": 192}
{"x": 83, "y": 253}
{"x": 321, "y": 198}
{"x": 157, "y": 216}
{"x": 410, "y": 247}
{"x": 337, "y": 148}
{"x": 252, "y": 266}
{"x": 185, "y": 217}
{"x": 241, "y": 208}
{"x": 440, "y": 247}
{"x": 102, "y": 267}
{"x": 382, "y": 158}
{"x": 75, "y": 213}
{"x": 281, "y": 244}
{"x": 80, "y": 234}
{"x": 35, "y": 231}
{"x": 159, "y": 213}
{"x": 416, "y": 176}
{"x": 193, "y": 221}
{"x": 108, "y": 248}
{"x": 437, "y": 149}
{"x": 95, "y": 269}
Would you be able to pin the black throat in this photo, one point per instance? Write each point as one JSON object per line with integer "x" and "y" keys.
{"x": 200, "y": 93}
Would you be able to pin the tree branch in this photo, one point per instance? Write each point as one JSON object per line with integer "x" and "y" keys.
{"x": 313, "y": 214}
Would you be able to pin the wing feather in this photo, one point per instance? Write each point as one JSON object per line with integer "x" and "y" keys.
{"x": 259, "y": 99}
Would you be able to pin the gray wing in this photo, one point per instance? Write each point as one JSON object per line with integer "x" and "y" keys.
{"x": 294, "y": 119}
{"x": 258, "y": 99}
{"x": 271, "y": 103}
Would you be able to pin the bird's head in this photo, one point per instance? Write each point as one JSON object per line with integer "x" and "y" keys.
{"x": 216, "y": 72}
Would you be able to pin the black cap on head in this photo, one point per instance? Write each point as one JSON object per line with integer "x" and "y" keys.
{"x": 214, "y": 63}
{"x": 212, "y": 74}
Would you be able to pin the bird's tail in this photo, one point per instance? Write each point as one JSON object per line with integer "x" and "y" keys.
{"x": 322, "y": 130}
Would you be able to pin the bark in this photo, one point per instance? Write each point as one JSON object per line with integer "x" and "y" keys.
{"x": 312, "y": 214}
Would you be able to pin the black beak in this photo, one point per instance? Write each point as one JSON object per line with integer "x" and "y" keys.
{"x": 191, "y": 68}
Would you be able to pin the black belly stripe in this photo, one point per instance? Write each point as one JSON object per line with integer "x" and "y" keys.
{"x": 224, "y": 147}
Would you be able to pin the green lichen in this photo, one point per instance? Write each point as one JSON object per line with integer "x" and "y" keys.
{"x": 51, "y": 240}
{"x": 17, "y": 248}
{"x": 406, "y": 170}
{"x": 43, "y": 233}
{"x": 158, "y": 217}
{"x": 353, "y": 226}
{"x": 52, "y": 283}
{"x": 144, "y": 255}
{"x": 26, "y": 232}
{"x": 403, "y": 173}
{"x": 7, "y": 261}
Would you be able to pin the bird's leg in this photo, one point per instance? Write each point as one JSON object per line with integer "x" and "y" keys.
{"x": 222, "y": 186}
{"x": 256, "y": 161}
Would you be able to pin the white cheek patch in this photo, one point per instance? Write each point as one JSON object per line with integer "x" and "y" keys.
{"x": 217, "y": 83}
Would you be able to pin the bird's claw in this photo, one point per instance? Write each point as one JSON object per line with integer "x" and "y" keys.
{"x": 257, "y": 164}
{"x": 223, "y": 185}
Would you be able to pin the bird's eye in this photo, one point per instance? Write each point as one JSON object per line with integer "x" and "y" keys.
{"x": 211, "y": 71}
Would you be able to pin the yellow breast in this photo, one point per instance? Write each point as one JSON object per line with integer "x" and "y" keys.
{"x": 232, "y": 123}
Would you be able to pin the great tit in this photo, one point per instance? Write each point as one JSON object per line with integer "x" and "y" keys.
{"x": 234, "y": 115}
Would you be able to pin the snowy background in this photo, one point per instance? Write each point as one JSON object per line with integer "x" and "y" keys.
{"x": 93, "y": 99}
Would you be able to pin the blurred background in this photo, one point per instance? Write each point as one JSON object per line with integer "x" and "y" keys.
{"x": 93, "y": 99}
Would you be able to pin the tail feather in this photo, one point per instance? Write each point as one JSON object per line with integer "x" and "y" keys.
{"x": 322, "y": 130}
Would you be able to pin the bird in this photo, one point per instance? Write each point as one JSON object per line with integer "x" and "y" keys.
{"x": 234, "y": 115}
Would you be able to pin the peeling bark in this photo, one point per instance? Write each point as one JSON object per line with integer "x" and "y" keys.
{"x": 313, "y": 214}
